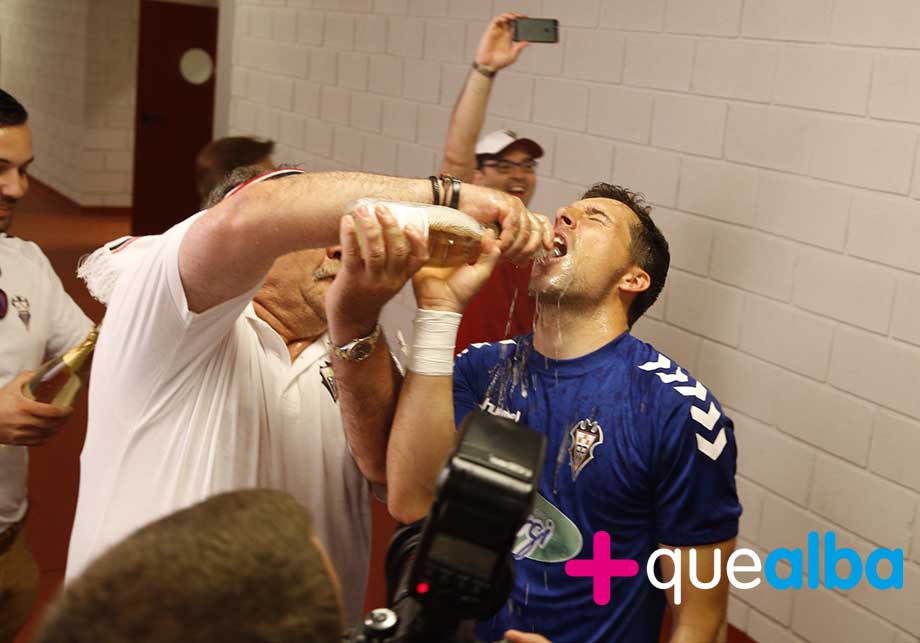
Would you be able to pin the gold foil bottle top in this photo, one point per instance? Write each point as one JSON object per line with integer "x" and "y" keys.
{"x": 76, "y": 357}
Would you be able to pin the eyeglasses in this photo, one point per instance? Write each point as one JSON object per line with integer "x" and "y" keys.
{"x": 504, "y": 166}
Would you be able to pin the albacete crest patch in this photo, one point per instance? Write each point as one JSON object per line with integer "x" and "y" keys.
{"x": 584, "y": 438}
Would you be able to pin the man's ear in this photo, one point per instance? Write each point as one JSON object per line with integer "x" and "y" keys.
{"x": 635, "y": 280}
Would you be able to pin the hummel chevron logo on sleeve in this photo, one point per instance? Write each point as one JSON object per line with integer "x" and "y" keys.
{"x": 662, "y": 363}
{"x": 707, "y": 419}
{"x": 678, "y": 376}
{"x": 712, "y": 449}
{"x": 687, "y": 391}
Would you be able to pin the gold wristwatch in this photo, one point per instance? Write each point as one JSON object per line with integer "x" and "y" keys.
{"x": 357, "y": 350}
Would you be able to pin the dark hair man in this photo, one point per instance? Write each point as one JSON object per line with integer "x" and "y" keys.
{"x": 37, "y": 319}
{"x": 501, "y": 160}
{"x": 635, "y": 446}
{"x": 237, "y": 352}
{"x": 240, "y": 566}
{"x": 221, "y": 156}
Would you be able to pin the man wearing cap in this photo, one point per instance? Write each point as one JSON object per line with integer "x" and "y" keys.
{"x": 501, "y": 160}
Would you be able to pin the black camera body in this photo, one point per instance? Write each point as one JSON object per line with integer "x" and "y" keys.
{"x": 457, "y": 564}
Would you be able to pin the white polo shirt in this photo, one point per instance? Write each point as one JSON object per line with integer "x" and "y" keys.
{"x": 41, "y": 321}
{"x": 184, "y": 406}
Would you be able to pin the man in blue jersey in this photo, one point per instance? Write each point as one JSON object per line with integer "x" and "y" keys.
{"x": 636, "y": 447}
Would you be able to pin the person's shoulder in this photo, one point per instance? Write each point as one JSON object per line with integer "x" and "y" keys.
{"x": 26, "y": 249}
{"x": 23, "y": 250}
{"x": 667, "y": 385}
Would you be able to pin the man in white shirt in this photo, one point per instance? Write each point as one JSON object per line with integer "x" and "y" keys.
{"x": 37, "y": 320}
{"x": 209, "y": 373}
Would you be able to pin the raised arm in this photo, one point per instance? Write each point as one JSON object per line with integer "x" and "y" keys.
{"x": 375, "y": 266}
{"x": 496, "y": 51}
{"x": 423, "y": 430}
{"x": 230, "y": 248}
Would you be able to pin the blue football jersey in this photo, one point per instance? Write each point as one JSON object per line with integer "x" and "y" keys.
{"x": 635, "y": 447}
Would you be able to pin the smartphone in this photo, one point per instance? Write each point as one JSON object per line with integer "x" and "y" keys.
{"x": 536, "y": 29}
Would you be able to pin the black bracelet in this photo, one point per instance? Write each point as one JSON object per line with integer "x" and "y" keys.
{"x": 454, "y": 190}
{"x": 485, "y": 71}
{"x": 435, "y": 190}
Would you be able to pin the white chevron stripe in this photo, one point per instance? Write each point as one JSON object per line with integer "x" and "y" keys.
{"x": 687, "y": 391}
{"x": 662, "y": 363}
{"x": 706, "y": 418}
{"x": 678, "y": 376}
{"x": 712, "y": 449}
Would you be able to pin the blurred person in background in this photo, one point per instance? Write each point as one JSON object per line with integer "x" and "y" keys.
{"x": 501, "y": 160}
{"x": 220, "y": 157}
{"x": 38, "y": 320}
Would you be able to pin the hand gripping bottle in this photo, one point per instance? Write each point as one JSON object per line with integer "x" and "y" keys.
{"x": 454, "y": 238}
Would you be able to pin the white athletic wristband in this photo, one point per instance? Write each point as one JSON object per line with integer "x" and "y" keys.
{"x": 434, "y": 333}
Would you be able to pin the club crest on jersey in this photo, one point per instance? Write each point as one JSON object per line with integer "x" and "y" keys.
{"x": 585, "y": 436}
{"x": 328, "y": 378}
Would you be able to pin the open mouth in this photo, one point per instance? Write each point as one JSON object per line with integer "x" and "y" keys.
{"x": 517, "y": 191}
{"x": 560, "y": 247}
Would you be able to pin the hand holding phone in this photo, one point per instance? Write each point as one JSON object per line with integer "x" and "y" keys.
{"x": 536, "y": 30}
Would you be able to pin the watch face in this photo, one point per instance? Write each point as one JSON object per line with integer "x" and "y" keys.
{"x": 360, "y": 351}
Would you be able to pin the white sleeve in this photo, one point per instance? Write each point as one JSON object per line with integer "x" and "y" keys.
{"x": 149, "y": 320}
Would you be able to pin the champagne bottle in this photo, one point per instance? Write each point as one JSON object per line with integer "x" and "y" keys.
{"x": 454, "y": 238}
{"x": 59, "y": 380}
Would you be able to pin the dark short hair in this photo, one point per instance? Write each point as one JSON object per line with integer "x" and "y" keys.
{"x": 222, "y": 156}
{"x": 648, "y": 248}
{"x": 12, "y": 112}
{"x": 239, "y": 566}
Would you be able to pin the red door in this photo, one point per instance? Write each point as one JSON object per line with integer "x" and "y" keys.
{"x": 175, "y": 110}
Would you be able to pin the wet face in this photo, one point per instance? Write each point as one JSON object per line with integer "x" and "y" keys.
{"x": 513, "y": 179}
{"x": 309, "y": 273}
{"x": 15, "y": 158}
{"x": 591, "y": 252}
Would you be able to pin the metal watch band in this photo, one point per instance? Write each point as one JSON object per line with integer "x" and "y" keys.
{"x": 357, "y": 350}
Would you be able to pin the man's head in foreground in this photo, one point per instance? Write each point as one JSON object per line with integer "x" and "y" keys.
{"x": 15, "y": 156}
{"x": 240, "y": 566}
{"x": 508, "y": 163}
{"x": 606, "y": 248}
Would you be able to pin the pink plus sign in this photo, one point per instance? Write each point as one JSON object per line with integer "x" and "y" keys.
{"x": 601, "y": 567}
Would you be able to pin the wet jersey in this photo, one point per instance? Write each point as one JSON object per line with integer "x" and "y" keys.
{"x": 636, "y": 448}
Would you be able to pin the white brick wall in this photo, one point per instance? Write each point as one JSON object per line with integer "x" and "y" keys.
{"x": 778, "y": 142}
{"x": 73, "y": 66}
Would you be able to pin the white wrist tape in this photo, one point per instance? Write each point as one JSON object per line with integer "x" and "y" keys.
{"x": 434, "y": 333}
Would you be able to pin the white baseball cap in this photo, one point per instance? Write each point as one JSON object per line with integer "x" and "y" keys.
{"x": 498, "y": 141}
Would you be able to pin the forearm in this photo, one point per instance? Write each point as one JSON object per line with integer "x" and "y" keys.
{"x": 699, "y": 633}
{"x": 368, "y": 392}
{"x": 422, "y": 437}
{"x": 232, "y": 246}
{"x": 465, "y": 125}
